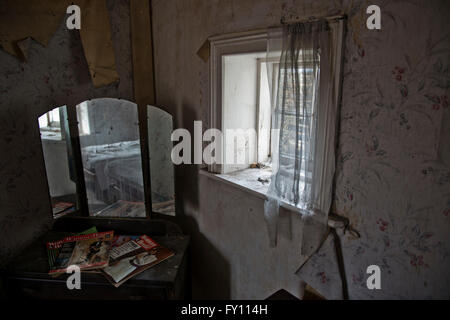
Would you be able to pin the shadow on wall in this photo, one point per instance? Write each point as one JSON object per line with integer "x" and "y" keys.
{"x": 205, "y": 257}
{"x": 186, "y": 179}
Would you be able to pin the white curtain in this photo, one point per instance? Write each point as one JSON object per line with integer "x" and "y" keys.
{"x": 304, "y": 87}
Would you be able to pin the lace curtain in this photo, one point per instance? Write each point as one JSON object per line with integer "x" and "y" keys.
{"x": 304, "y": 109}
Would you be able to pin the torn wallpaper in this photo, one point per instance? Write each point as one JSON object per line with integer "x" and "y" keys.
{"x": 39, "y": 20}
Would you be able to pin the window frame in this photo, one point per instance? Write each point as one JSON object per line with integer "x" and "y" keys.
{"x": 274, "y": 62}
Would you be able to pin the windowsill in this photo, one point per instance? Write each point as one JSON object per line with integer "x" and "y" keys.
{"x": 247, "y": 181}
{"x": 51, "y": 135}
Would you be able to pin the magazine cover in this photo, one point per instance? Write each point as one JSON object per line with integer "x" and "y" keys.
{"x": 127, "y": 260}
{"x": 119, "y": 240}
{"x": 86, "y": 251}
{"x": 53, "y": 248}
{"x": 129, "y": 246}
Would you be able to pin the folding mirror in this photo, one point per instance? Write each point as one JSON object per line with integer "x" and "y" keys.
{"x": 160, "y": 126}
{"x": 105, "y": 153}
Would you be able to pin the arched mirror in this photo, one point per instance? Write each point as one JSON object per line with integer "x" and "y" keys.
{"x": 160, "y": 126}
{"x": 111, "y": 156}
{"x": 59, "y": 161}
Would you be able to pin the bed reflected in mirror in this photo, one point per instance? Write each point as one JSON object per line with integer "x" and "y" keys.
{"x": 58, "y": 159}
{"x": 111, "y": 157}
{"x": 160, "y": 126}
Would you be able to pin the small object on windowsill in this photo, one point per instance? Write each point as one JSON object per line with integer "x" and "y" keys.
{"x": 258, "y": 166}
{"x": 263, "y": 181}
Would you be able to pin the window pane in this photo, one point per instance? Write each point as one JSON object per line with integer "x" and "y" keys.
{"x": 54, "y": 115}
{"x": 43, "y": 122}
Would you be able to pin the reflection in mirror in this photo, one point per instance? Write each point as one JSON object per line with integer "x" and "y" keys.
{"x": 111, "y": 157}
{"x": 57, "y": 151}
{"x": 160, "y": 126}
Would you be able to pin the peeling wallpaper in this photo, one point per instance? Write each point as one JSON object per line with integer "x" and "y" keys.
{"x": 393, "y": 174}
{"x": 52, "y": 76}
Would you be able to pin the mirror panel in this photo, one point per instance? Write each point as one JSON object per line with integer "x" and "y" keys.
{"x": 160, "y": 127}
{"x": 58, "y": 159}
{"x": 111, "y": 157}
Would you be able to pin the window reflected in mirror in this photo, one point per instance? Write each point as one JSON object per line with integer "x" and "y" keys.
{"x": 111, "y": 157}
{"x": 58, "y": 159}
{"x": 160, "y": 126}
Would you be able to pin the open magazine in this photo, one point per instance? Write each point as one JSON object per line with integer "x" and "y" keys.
{"x": 88, "y": 251}
{"x": 54, "y": 247}
{"x": 131, "y": 255}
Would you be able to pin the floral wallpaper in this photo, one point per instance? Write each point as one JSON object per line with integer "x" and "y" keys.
{"x": 393, "y": 174}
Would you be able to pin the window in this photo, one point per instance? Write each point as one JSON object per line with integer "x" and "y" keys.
{"x": 50, "y": 125}
{"x": 242, "y": 101}
{"x": 294, "y": 136}
{"x": 302, "y": 151}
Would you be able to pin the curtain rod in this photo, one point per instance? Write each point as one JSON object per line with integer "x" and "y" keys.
{"x": 313, "y": 18}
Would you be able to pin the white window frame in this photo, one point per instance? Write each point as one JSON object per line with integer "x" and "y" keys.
{"x": 272, "y": 93}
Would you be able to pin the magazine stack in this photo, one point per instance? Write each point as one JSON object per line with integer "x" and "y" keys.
{"x": 118, "y": 257}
